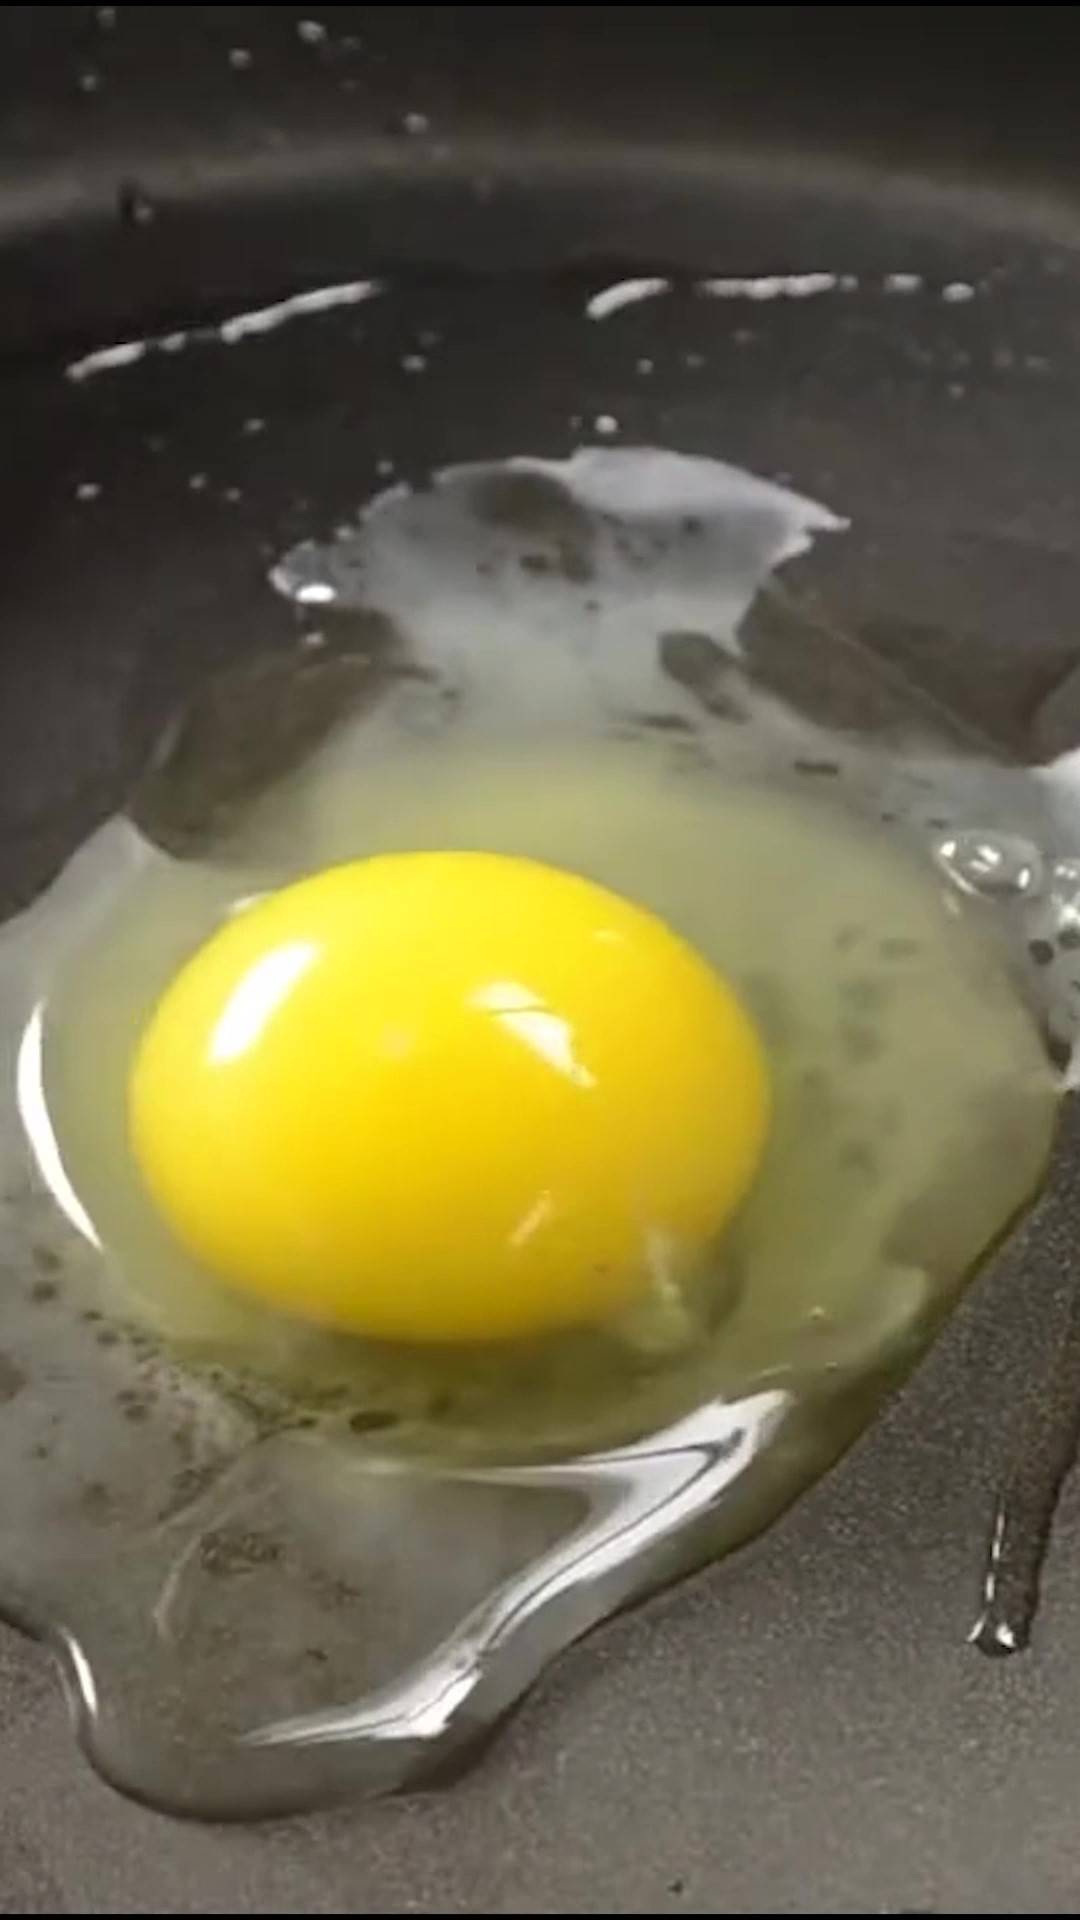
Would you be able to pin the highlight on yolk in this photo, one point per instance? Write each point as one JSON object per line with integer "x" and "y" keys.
{"x": 447, "y": 1097}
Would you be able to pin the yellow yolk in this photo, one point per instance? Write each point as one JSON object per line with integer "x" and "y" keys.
{"x": 447, "y": 1096}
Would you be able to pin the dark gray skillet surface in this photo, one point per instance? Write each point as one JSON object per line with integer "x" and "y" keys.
{"x": 803, "y": 1729}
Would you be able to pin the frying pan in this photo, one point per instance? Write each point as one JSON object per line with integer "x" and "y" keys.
{"x": 889, "y": 197}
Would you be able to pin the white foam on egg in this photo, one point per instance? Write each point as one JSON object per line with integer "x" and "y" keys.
{"x": 563, "y": 615}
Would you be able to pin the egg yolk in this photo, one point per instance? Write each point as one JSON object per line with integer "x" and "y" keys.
{"x": 446, "y": 1097}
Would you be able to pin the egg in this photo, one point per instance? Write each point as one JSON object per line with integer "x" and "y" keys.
{"x": 494, "y": 1116}
{"x": 448, "y": 1096}
{"x": 505, "y": 1019}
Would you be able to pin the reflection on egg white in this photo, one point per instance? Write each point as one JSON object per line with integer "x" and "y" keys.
{"x": 35, "y": 1116}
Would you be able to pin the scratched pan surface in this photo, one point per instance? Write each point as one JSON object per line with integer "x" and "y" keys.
{"x": 805, "y": 1727}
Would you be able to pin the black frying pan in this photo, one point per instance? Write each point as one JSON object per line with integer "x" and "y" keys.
{"x": 806, "y": 1727}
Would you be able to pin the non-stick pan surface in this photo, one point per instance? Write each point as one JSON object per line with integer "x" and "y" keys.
{"x": 804, "y": 1728}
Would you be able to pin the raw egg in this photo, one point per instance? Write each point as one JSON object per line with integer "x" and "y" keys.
{"x": 681, "y": 1067}
{"x": 494, "y": 1117}
{"x": 448, "y": 1096}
